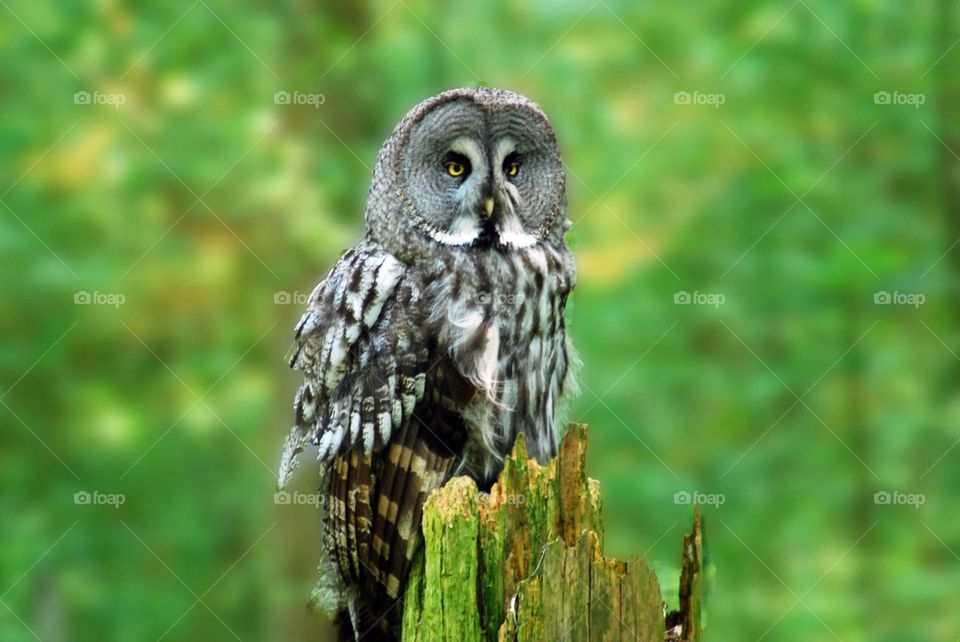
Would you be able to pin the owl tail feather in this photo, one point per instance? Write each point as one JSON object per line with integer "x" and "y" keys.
{"x": 361, "y": 624}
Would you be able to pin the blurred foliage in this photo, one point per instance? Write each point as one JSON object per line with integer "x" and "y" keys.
{"x": 200, "y": 202}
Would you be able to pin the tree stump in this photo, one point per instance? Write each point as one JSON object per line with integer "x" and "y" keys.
{"x": 524, "y": 563}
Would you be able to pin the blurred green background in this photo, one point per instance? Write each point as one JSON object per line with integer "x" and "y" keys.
{"x": 743, "y": 197}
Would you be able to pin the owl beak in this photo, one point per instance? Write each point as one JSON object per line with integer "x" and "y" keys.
{"x": 488, "y": 206}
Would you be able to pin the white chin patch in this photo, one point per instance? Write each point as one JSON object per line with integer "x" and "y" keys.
{"x": 463, "y": 232}
{"x": 466, "y": 230}
{"x": 511, "y": 233}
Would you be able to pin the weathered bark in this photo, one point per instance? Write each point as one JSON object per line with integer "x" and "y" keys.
{"x": 525, "y": 563}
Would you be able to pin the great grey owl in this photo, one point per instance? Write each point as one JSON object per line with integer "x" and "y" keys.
{"x": 436, "y": 339}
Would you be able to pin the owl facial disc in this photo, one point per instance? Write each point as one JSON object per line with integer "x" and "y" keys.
{"x": 480, "y": 169}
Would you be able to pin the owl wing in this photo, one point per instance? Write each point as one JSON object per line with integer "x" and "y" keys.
{"x": 364, "y": 371}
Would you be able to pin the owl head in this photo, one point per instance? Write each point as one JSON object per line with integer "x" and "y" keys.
{"x": 469, "y": 168}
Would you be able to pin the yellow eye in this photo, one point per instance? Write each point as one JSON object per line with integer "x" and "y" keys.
{"x": 513, "y": 168}
{"x": 454, "y": 168}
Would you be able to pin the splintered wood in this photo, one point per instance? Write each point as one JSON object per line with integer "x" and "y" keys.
{"x": 525, "y": 562}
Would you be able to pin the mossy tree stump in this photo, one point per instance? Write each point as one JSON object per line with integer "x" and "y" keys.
{"x": 524, "y": 562}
